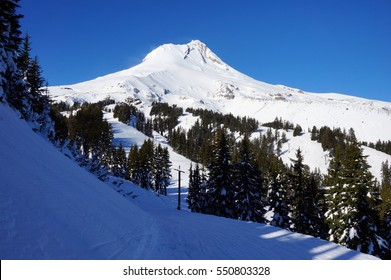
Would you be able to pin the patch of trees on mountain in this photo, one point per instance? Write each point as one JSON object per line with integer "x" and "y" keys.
{"x": 131, "y": 115}
{"x": 382, "y": 146}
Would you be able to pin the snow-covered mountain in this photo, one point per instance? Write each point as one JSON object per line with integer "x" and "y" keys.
{"x": 191, "y": 75}
{"x": 53, "y": 209}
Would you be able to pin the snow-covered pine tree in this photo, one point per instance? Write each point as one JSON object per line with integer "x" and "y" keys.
{"x": 157, "y": 166}
{"x": 161, "y": 169}
{"x": 221, "y": 188}
{"x": 12, "y": 86}
{"x": 166, "y": 170}
{"x": 299, "y": 175}
{"x": 279, "y": 203}
{"x": 385, "y": 207}
{"x": 119, "y": 162}
{"x": 196, "y": 195}
{"x": 146, "y": 164}
{"x": 248, "y": 183}
{"x": 351, "y": 217}
{"x": 134, "y": 165}
{"x": 306, "y": 213}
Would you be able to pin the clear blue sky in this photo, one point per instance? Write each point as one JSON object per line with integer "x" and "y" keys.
{"x": 315, "y": 45}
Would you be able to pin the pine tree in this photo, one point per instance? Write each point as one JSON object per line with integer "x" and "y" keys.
{"x": 220, "y": 201}
{"x": 351, "y": 216}
{"x": 299, "y": 178}
{"x": 119, "y": 162}
{"x": 166, "y": 170}
{"x": 385, "y": 206}
{"x": 134, "y": 165}
{"x": 12, "y": 86}
{"x": 248, "y": 203}
{"x": 195, "y": 195}
{"x": 24, "y": 58}
{"x": 146, "y": 164}
{"x": 279, "y": 203}
{"x": 161, "y": 171}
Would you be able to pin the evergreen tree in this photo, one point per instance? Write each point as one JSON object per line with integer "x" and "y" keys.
{"x": 24, "y": 58}
{"x": 299, "y": 178}
{"x": 166, "y": 170}
{"x": 161, "y": 169}
{"x": 146, "y": 164}
{"x": 195, "y": 195}
{"x": 119, "y": 167}
{"x": 351, "y": 216}
{"x": 297, "y": 131}
{"x": 385, "y": 207}
{"x": 12, "y": 86}
{"x": 220, "y": 201}
{"x": 134, "y": 165}
{"x": 248, "y": 203}
{"x": 279, "y": 203}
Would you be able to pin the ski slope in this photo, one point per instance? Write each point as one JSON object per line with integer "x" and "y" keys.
{"x": 50, "y": 208}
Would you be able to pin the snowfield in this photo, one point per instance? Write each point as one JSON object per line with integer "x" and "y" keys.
{"x": 50, "y": 208}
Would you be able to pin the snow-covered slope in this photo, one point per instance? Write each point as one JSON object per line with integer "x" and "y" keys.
{"x": 191, "y": 75}
{"x": 50, "y": 208}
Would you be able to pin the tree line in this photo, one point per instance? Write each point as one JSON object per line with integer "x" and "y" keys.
{"x": 347, "y": 207}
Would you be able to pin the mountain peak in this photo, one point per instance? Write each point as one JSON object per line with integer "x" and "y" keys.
{"x": 194, "y": 52}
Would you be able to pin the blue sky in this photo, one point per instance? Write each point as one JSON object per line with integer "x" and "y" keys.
{"x": 319, "y": 46}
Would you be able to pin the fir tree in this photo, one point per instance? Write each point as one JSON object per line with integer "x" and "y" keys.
{"x": 195, "y": 195}
{"x": 248, "y": 203}
{"x": 220, "y": 201}
{"x": 385, "y": 206}
{"x": 279, "y": 203}
{"x": 166, "y": 170}
{"x": 351, "y": 216}
{"x": 12, "y": 86}
{"x": 119, "y": 162}
{"x": 134, "y": 165}
{"x": 299, "y": 178}
{"x": 24, "y": 58}
{"x": 146, "y": 164}
{"x": 161, "y": 169}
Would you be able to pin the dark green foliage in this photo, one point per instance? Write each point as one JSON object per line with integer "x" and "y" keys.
{"x": 119, "y": 162}
{"x": 297, "y": 131}
{"x": 213, "y": 119}
{"x": 385, "y": 206}
{"x": 88, "y": 129}
{"x": 279, "y": 202}
{"x": 13, "y": 89}
{"x": 146, "y": 164}
{"x": 221, "y": 188}
{"x": 307, "y": 199}
{"x": 278, "y": 123}
{"x": 130, "y": 115}
{"x": 314, "y": 133}
{"x": 249, "y": 186}
{"x": 382, "y": 146}
{"x": 134, "y": 165}
{"x": 161, "y": 172}
{"x": 196, "y": 195}
{"x": 60, "y": 126}
{"x": 352, "y": 202}
{"x": 165, "y": 117}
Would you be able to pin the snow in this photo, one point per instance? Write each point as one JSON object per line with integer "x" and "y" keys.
{"x": 196, "y": 77}
{"x": 53, "y": 209}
